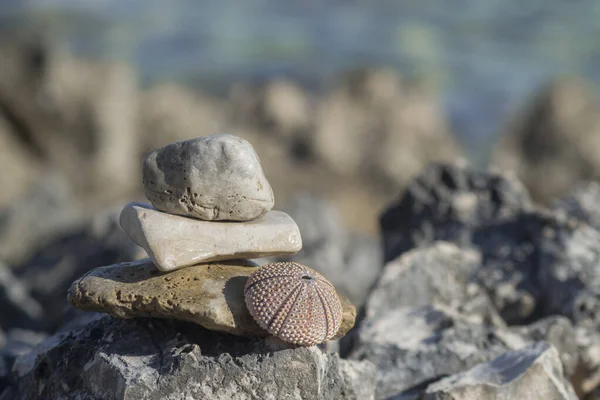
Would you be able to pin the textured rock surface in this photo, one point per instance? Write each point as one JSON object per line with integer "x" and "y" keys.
{"x": 450, "y": 202}
{"x": 484, "y": 210}
{"x": 211, "y": 295}
{"x": 157, "y": 359}
{"x": 217, "y": 177}
{"x": 439, "y": 274}
{"x": 410, "y": 346}
{"x": 173, "y": 241}
{"x": 533, "y": 372}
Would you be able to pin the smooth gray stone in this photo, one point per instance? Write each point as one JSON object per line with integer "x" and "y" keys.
{"x": 174, "y": 242}
{"x": 217, "y": 177}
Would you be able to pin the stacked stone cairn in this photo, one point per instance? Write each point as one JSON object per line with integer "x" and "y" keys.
{"x": 211, "y": 215}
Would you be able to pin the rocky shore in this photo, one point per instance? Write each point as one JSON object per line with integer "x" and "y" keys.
{"x": 455, "y": 282}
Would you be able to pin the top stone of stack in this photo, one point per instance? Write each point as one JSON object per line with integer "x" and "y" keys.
{"x": 214, "y": 178}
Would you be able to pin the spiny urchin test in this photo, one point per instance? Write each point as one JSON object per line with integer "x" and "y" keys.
{"x": 294, "y": 302}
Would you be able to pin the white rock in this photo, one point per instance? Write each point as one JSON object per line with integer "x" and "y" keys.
{"x": 214, "y": 178}
{"x": 173, "y": 241}
{"x": 534, "y": 372}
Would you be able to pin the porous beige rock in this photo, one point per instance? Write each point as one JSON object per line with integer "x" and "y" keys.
{"x": 210, "y": 295}
{"x": 174, "y": 241}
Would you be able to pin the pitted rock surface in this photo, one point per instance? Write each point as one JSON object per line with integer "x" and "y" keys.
{"x": 210, "y": 295}
{"x": 216, "y": 177}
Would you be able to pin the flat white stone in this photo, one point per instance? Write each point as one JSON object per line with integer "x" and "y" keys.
{"x": 174, "y": 242}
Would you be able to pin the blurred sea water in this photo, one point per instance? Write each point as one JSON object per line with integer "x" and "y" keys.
{"x": 484, "y": 56}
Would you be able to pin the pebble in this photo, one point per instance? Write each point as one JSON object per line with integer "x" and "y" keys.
{"x": 214, "y": 178}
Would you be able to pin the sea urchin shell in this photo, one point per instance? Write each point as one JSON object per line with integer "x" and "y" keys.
{"x": 294, "y": 302}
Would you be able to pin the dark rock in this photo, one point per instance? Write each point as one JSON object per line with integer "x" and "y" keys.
{"x": 533, "y": 372}
{"x": 440, "y": 274}
{"x": 449, "y": 202}
{"x": 412, "y": 345}
{"x": 351, "y": 262}
{"x": 156, "y": 359}
{"x": 535, "y": 263}
{"x": 19, "y": 308}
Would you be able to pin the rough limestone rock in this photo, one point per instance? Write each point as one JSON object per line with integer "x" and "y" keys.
{"x": 449, "y": 202}
{"x": 411, "y": 346}
{"x": 217, "y": 177}
{"x": 439, "y": 274}
{"x": 533, "y": 372}
{"x": 474, "y": 209}
{"x": 173, "y": 241}
{"x": 170, "y": 360}
{"x": 210, "y": 295}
